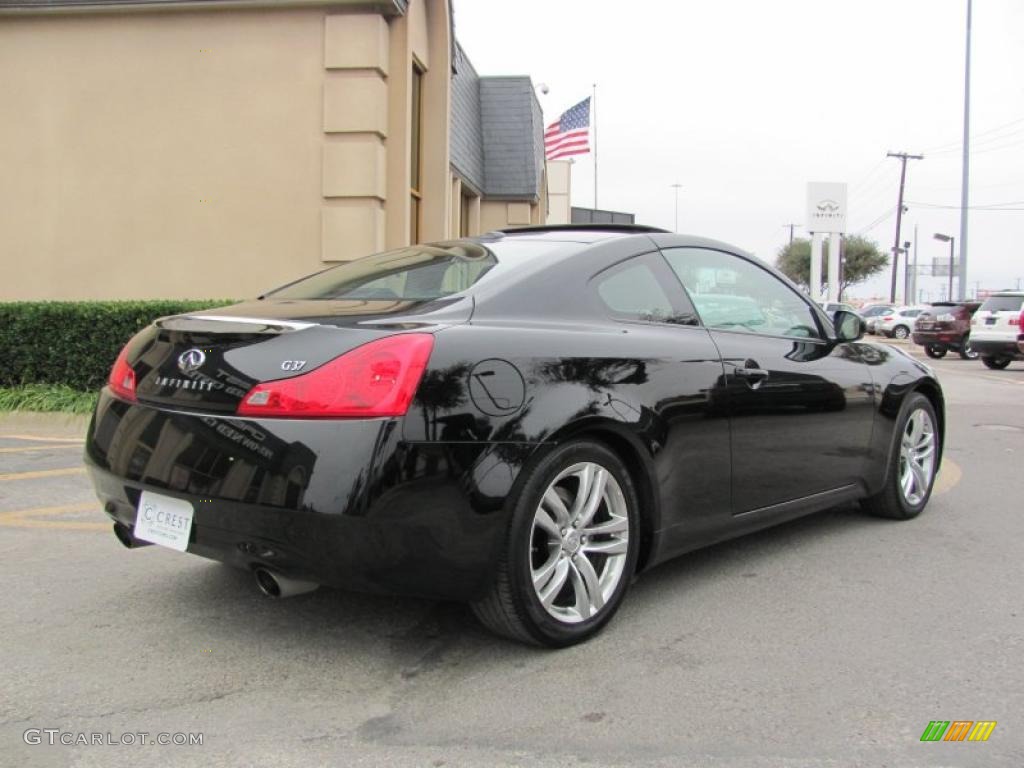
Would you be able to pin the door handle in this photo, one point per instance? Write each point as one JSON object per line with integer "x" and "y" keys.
{"x": 753, "y": 374}
{"x": 756, "y": 374}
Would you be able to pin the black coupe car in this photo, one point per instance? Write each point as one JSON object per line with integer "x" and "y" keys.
{"x": 522, "y": 421}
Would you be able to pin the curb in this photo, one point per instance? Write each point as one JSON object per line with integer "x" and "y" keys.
{"x": 44, "y": 424}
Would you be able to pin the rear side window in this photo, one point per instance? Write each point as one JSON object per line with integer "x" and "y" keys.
{"x": 1002, "y": 304}
{"x": 633, "y": 292}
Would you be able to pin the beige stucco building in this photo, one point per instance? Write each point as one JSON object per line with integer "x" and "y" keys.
{"x": 218, "y": 148}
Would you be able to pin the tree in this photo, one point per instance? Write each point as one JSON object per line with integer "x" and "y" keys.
{"x": 861, "y": 259}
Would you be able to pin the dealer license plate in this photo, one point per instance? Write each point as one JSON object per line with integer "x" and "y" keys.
{"x": 163, "y": 520}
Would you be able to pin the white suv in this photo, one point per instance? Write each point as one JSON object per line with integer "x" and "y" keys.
{"x": 899, "y": 323}
{"x": 995, "y": 328}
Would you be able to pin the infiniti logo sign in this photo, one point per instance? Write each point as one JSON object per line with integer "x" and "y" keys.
{"x": 191, "y": 360}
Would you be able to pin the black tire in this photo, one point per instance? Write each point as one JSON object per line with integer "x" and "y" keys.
{"x": 890, "y": 502}
{"x": 966, "y": 351}
{"x": 900, "y": 332}
{"x": 512, "y": 607}
{"x": 996, "y": 363}
{"x": 935, "y": 351}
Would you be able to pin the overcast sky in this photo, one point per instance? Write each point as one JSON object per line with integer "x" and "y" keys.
{"x": 745, "y": 101}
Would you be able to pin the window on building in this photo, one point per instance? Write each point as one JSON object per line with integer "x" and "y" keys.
{"x": 465, "y": 213}
{"x": 415, "y": 156}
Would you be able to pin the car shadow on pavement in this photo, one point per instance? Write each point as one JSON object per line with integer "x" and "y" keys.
{"x": 417, "y": 636}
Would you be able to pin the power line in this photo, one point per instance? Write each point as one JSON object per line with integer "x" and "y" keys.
{"x": 884, "y": 217}
{"x": 988, "y": 207}
{"x": 956, "y": 143}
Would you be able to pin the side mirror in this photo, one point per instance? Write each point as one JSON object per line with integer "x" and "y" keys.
{"x": 849, "y": 326}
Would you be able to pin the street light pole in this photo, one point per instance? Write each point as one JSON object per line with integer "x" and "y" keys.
{"x": 966, "y": 160}
{"x": 952, "y": 243}
{"x": 676, "y": 187}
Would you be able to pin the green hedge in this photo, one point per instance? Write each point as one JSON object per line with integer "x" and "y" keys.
{"x": 74, "y": 343}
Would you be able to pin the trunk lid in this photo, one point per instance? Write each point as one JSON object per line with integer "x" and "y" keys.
{"x": 208, "y": 361}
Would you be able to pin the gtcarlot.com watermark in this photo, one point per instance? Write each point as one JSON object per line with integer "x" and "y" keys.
{"x": 55, "y": 736}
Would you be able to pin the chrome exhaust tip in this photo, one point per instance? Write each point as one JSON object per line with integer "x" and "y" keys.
{"x": 275, "y": 585}
{"x": 124, "y": 535}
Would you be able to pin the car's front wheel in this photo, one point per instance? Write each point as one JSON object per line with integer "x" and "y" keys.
{"x": 935, "y": 351}
{"x": 900, "y": 332}
{"x": 570, "y": 551}
{"x": 913, "y": 463}
{"x": 996, "y": 363}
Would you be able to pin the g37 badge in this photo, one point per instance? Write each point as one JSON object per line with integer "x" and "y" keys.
{"x": 293, "y": 365}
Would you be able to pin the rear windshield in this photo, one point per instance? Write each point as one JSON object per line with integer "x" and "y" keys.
{"x": 418, "y": 273}
{"x": 1002, "y": 304}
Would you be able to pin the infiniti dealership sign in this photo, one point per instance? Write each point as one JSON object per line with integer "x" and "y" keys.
{"x": 826, "y": 207}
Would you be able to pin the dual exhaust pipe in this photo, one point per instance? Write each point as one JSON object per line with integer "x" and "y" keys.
{"x": 270, "y": 583}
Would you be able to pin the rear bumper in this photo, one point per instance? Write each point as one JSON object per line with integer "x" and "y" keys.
{"x": 945, "y": 338}
{"x": 344, "y": 503}
{"x": 996, "y": 348}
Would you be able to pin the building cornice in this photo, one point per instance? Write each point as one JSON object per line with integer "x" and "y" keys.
{"x": 50, "y": 7}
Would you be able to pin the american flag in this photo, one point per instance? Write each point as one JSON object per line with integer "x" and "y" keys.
{"x": 569, "y": 134}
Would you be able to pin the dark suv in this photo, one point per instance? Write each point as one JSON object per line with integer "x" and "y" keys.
{"x": 945, "y": 326}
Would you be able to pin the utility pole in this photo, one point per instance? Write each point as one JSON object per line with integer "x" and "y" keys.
{"x": 791, "y": 228}
{"x": 903, "y": 156}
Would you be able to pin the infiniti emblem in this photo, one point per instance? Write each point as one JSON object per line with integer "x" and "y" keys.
{"x": 191, "y": 360}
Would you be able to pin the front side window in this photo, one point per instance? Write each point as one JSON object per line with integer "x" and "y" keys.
{"x": 731, "y": 293}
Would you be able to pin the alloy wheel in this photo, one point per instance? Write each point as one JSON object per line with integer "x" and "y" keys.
{"x": 579, "y": 542}
{"x": 917, "y": 457}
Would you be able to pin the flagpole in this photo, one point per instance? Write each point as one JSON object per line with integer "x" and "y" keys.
{"x": 593, "y": 119}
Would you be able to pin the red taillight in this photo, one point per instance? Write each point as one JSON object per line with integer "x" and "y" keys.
{"x": 122, "y": 377}
{"x": 1018, "y": 320}
{"x": 887, "y": 318}
{"x": 376, "y": 379}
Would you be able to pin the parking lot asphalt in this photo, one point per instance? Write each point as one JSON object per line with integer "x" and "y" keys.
{"x": 829, "y": 641}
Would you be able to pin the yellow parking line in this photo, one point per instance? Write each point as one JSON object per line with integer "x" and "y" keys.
{"x": 949, "y": 476}
{"x": 41, "y": 439}
{"x": 25, "y": 518}
{"x": 42, "y": 473}
{"x": 76, "y": 446}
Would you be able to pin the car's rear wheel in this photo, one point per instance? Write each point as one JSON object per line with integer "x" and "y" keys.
{"x": 913, "y": 463}
{"x": 996, "y": 363}
{"x": 935, "y": 351}
{"x": 967, "y": 352}
{"x": 571, "y": 548}
{"x": 901, "y": 332}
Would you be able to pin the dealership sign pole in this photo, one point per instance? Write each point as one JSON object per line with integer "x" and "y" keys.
{"x": 826, "y": 214}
